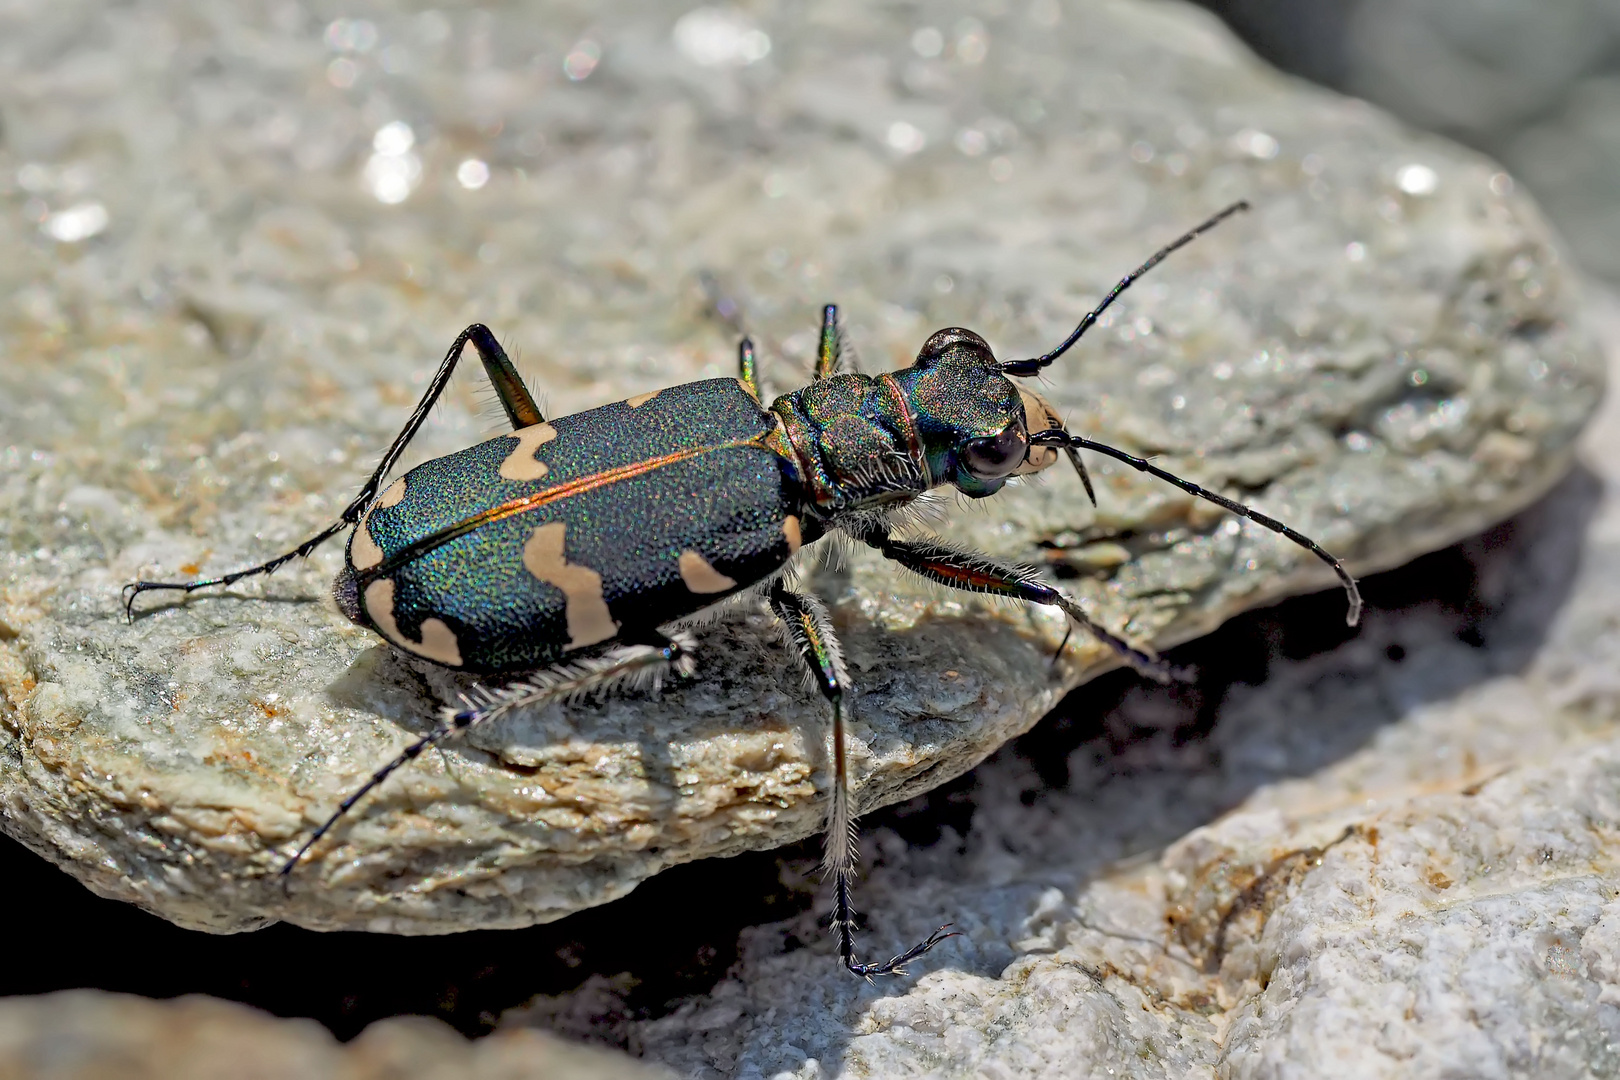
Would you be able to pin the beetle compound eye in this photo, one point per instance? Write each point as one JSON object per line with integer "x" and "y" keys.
{"x": 996, "y": 456}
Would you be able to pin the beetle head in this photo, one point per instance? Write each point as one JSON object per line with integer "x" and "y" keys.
{"x": 973, "y": 421}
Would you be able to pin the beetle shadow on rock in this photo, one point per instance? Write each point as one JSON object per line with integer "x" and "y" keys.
{"x": 1285, "y": 691}
{"x": 650, "y": 716}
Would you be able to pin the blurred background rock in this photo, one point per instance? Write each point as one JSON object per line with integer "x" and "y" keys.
{"x": 1533, "y": 83}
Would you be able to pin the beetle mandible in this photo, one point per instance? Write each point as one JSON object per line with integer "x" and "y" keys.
{"x": 575, "y": 549}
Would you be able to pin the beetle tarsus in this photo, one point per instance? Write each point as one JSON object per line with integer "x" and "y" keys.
{"x": 897, "y": 965}
{"x": 844, "y": 927}
{"x": 136, "y": 588}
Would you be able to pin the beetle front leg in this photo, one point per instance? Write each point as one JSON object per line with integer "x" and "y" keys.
{"x": 815, "y": 646}
{"x": 514, "y": 397}
{"x": 973, "y": 572}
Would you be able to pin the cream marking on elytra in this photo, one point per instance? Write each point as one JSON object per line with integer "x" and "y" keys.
{"x": 641, "y": 399}
{"x": 589, "y": 620}
{"x": 749, "y": 390}
{"x": 392, "y": 495}
{"x": 363, "y": 550}
{"x": 438, "y": 640}
{"x": 520, "y": 464}
{"x": 790, "y": 529}
{"x": 700, "y": 577}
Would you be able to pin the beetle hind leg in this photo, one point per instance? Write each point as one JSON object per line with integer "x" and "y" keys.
{"x": 515, "y": 399}
{"x": 810, "y": 632}
{"x": 631, "y": 665}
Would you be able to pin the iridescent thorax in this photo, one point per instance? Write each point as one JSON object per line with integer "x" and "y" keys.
{"x": 863, "y": 441}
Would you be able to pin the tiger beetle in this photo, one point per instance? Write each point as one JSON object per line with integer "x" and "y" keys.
{"x": 574, "y": 554}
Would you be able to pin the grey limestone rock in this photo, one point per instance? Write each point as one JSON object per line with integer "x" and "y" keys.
{"x": 238, "y": 240}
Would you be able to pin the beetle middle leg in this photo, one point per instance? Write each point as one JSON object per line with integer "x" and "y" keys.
{"x": 748, "y": 367}
{"x": 829, "y": 348}
{"x": 514, "y": 397}
{"x": 829, "y": 345}
{"x": 817, "y": 650}
{"x": 622, "y": 665}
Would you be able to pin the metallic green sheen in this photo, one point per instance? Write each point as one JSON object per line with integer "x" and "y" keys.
{"x": 865, "y": 441}
{"x": 702, "y": 468}
{"x": 728, "y": 503}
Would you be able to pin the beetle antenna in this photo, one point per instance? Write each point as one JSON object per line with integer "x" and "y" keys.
{"x": 1032, "y": 367}
{"x": 1059, "y": 437}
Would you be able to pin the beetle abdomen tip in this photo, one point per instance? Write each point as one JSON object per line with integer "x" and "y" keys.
{"x": 346, "y": 592}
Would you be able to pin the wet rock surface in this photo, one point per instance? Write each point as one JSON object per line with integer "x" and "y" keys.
{"x": 240, "y": 246}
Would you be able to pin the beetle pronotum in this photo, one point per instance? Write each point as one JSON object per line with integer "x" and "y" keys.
{"x": 573, "y": 550}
